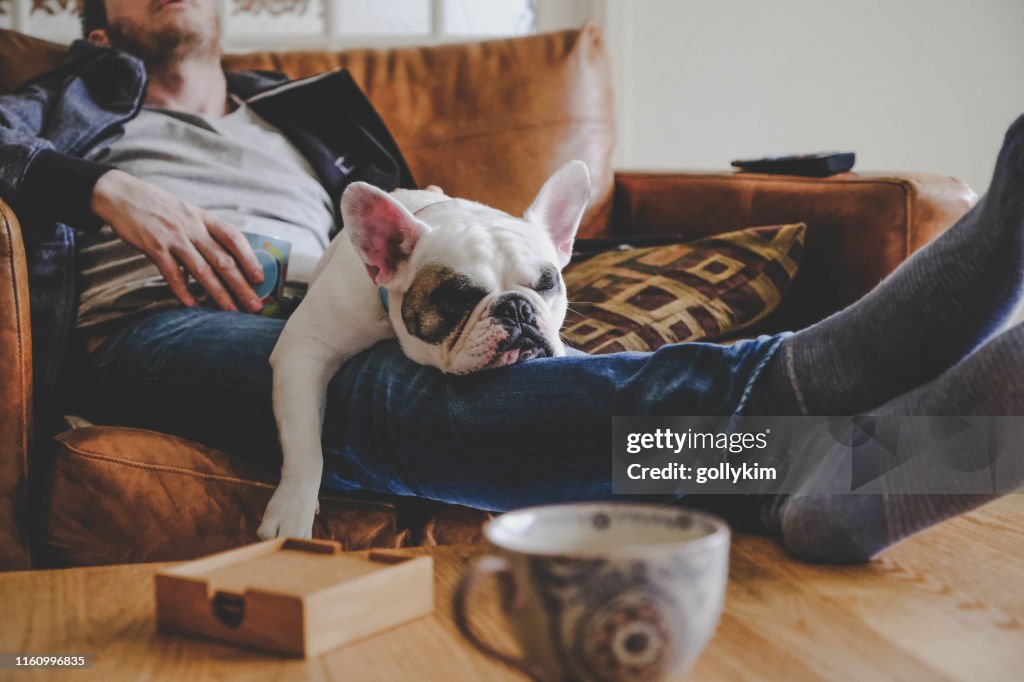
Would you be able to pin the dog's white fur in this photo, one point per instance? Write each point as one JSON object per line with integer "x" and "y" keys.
{"x": 342, "y": 313}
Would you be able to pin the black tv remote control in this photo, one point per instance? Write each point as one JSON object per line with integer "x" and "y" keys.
{"x": 817, "y": 165}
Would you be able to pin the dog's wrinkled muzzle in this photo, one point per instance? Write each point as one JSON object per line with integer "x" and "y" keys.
{"x": 525, "y": 341}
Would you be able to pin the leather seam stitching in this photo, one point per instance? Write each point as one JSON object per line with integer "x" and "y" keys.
{"x": 670, "y": 176}
{"x": 512, "y": 129}
{"x": 9, "y": 232}
{"x": 163, "y": 468}
{"x": 909, "y": 237}
{"x": 77, "y": 450}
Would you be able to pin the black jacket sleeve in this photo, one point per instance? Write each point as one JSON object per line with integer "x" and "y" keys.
{"x": 39, "y": 182}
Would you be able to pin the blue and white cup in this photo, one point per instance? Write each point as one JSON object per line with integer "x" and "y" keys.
{"x": 603, "y": 591}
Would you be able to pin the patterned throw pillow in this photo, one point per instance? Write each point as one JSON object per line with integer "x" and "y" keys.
{"x": 642, "y": 298}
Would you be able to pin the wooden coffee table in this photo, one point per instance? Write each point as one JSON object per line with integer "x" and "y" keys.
{"x": 946, "y": 605}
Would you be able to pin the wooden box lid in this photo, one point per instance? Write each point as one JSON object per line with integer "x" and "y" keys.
{"x": 295, "y": 597}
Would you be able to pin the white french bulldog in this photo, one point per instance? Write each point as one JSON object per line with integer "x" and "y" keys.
{"x": 463, "y": 287}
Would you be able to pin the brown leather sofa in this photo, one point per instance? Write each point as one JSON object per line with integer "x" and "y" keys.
{"x": 487, "y": 120}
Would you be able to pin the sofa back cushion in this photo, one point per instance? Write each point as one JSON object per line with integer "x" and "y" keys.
{"x": 488, "y": 120}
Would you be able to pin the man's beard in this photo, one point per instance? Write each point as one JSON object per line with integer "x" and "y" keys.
{"x": 166, "y": 46}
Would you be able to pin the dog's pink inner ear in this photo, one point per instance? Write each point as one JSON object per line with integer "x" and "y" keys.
{"x": 560, "y": 204}
{"x": 382, "y": 231}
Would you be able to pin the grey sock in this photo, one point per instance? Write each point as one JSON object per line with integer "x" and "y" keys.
{"x": 843, "y": 528}
{"x": 934, "y": 309}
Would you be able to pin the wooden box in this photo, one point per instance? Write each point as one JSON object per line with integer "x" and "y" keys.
{"x": 295, "y": 597}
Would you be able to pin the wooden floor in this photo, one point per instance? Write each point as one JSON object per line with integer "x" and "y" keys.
{"x": 1011, "y": 502}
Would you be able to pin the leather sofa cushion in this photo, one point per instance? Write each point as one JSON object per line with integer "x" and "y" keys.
{"x": 488, "y": 121}
{"x": 121, "y": 495}
{"x": 23, "y": 57}
{"x": 859, "y": 226}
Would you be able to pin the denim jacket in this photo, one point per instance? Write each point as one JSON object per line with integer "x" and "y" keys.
{"x": 52, "y": 122}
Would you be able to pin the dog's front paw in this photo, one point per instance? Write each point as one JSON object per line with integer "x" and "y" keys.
{"x": 290, "y": 512}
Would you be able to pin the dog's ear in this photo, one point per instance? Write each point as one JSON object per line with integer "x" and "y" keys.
{"x": 560, "y": 204}
{"x": 383, "y": 231}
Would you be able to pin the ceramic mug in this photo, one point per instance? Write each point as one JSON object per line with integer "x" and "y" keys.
{"x": 603, "y": 591}
{"x": 273, "y": 254}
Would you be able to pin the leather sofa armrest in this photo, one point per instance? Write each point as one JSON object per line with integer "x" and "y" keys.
{"x": 860, "y": 225}
{"x": 15, "y": 395}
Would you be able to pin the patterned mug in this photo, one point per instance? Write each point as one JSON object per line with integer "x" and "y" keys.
{"x": 603, "y": 591}
{"x": 273, "y": 254}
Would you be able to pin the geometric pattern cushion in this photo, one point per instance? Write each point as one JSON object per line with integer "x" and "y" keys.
{"x": 642, "y": 298}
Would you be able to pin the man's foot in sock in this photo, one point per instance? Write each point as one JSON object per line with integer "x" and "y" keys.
{"x": 932, "y": 311}
{"x": 846, "y": 528}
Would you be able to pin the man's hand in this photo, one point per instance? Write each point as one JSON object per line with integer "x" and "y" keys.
{"x": 174, "y": 234}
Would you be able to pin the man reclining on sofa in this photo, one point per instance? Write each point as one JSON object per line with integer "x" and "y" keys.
{"x": 161, "y": 159}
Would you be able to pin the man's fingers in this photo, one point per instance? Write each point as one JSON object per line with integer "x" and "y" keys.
{"x": 232, "y": 239}
{"x": 227, "y": 268}
{"x": 172, "y": 274}
{"x": 204, "y": 274}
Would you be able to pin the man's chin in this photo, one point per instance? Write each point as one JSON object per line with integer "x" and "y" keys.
{"x": 171, "y": 37}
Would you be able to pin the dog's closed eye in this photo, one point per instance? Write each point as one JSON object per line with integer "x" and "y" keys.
{"x": 548, "y": 280}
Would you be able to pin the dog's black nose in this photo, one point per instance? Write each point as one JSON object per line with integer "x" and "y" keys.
{"x": 515, "y": 309}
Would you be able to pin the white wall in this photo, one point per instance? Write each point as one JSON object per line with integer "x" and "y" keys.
{"x": 926, "y": 85}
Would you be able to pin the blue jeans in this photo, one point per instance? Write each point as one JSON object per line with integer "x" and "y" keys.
{"x": 532, "y": 433}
